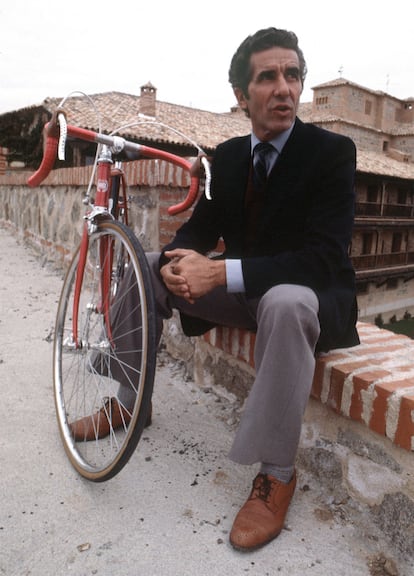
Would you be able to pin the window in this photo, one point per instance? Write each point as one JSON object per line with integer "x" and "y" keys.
{"x": 385, "y": 145}
{"x": 321, "y": 100}
{"x": 402, "y": 196}
{"x": 372, "y": 193}
{"x": 368, "y": 107}
{"x": 396, "y": 242}
{"x": 367, "y": 239}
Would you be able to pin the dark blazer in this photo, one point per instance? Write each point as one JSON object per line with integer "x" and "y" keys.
{"x": 304, "y": 230}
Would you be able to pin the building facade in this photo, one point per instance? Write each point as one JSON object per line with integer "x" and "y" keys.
{"x": 382, "y": 249}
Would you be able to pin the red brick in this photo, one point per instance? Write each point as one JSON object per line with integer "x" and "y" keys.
{"x": 245, "y": 350}
{"x": 405, "y": 428}
{"x": 378, "y": 420}
{"x": 219, "y": 337}
{"x": 251, "y": 351}
{"x": 338, "y": 376}
{"x": 320, "y": 368}
{"x": 363, "y": 381}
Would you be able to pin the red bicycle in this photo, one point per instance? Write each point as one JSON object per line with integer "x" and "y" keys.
{"x": 108, "y": 272}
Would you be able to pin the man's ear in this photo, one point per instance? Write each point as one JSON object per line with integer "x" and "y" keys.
{"x": 241, "y": 99}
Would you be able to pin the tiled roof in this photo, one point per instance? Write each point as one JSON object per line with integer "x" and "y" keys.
{"x": 117, "y": 109}
{"x": 326, "y": 119}
{"x": 373, "y": 163}
{"x": 207, "y": 129}
{"x": 344, "y": 82}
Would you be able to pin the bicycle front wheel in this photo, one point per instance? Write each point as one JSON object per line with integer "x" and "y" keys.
{"x": 104, "y": 363}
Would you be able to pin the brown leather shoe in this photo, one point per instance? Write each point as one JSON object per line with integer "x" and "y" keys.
{"x": 262, "y": 517}
{"x": 97, "y": 425}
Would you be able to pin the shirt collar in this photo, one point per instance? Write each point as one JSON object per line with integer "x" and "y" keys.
{"x": 278, "y": 142}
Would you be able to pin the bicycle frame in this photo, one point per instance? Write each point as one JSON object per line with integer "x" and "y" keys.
{"x": 105, "y": 338}
{"x": 56, "y": 131}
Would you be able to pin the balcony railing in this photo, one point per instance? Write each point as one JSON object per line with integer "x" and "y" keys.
{"x": 384, "y": 210}
{"x": 372, "y": 261}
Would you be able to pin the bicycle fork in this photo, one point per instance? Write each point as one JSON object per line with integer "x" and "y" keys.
{"x": 99, "y": 211}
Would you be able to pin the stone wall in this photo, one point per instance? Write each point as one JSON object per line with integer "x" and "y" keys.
{"x": 50, "y": 217}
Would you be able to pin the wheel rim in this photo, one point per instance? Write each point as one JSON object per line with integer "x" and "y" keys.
{"x": 89, "y": 372}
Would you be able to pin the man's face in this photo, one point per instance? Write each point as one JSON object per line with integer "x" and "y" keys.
{"x": 273, "y": 92}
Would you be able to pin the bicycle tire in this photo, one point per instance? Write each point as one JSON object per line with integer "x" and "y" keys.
{"x": 90, "y": 371}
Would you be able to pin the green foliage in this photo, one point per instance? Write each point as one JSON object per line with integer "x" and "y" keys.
{"x": 405, "y": 327}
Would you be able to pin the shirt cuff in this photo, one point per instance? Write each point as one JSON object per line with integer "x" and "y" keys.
{"x": 234, "y": 276}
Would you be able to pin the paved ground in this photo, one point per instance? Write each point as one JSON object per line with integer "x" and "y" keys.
{"x": 168, "y": 513}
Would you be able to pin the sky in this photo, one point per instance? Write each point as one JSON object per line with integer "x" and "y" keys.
{"x": 184, "y": 48}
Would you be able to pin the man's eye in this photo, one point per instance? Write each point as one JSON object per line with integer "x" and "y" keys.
{"x": 266, "y": 75}
{"x": 292, "y": 73}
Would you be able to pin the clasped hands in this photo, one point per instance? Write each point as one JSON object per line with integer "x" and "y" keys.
{"x": 190, "y": 275}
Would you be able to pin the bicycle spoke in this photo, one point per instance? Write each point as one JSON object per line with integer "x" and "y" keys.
{"x": 115, "y": 361}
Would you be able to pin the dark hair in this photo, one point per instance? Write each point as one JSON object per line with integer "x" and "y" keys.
{"x": 240, "y": 70}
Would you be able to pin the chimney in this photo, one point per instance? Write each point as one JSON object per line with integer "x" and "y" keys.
{"x": 147, "y": 99}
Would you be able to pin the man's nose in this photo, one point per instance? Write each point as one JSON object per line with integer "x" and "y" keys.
{"x": 281, "y": 87}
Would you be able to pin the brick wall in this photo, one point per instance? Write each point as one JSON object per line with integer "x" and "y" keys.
{"x": 372, "y": 383}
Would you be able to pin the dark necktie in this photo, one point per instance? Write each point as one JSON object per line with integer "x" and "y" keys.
{"x": 261, "y": 152}
{"x": 255, "y": 193}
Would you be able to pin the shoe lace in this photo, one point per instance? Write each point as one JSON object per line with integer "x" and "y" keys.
{"x": 262, "y": 486}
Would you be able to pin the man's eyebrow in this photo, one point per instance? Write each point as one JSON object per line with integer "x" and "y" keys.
{"x": 293, "y": 69}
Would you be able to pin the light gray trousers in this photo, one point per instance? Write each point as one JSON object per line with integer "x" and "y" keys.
{"x": 287, "y": 329}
